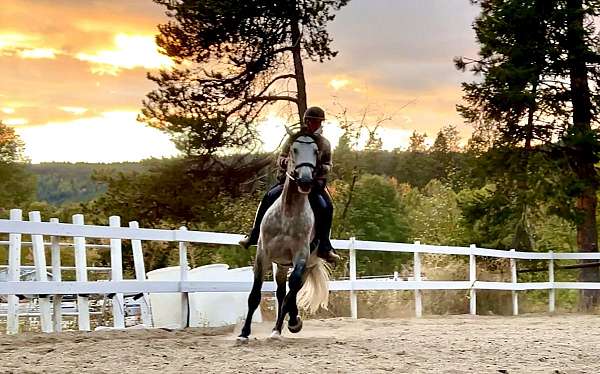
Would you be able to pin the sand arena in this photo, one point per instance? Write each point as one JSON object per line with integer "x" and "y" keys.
{"x": 448, "y": 344}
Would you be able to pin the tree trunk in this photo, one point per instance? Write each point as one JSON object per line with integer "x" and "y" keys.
{"x": 298, "y": 67}
{"x": 583, "y": 162}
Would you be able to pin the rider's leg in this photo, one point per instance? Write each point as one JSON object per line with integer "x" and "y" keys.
{"x": 267, "y": 201}
{"x": 323, "y": 209}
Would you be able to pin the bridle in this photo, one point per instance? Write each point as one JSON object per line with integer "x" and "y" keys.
{"x": 302, "y": 164}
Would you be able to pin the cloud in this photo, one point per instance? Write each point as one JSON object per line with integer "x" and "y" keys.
{"x": 73, "y": 109}
{"x": 64, "y": 61}
{"x": 93, "y": 140}
{"x": 130, "y": 51}
{"x": 37, "y": 88}
{"x": 338, "y": 84}
{"x": 38, "y": 53}
{"x": 405, "y": 59}
{"x": 15, "y": 121}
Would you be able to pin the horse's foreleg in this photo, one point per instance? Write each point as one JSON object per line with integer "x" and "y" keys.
{"x": 255, "y": 295}
{"x": 280, "y": 278}
{"x": 289, "y": 303}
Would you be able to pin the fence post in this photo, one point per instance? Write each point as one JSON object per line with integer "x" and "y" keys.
{"x": 116, "y": 274}
{"x": 514, "y": 280}
{"x": 41, "y": 274}
{"x": 417, "y": 279}
{"x": 353, "y": 297}
{"x": 83, "y": 304}
{"x": 14, "y": 274}
{"x": 140, "y": 275}
{"x": 183, "y": 272}
{"x": 472, "y": 280}
{"x": 56, "y": 277}
{"x": 552, "y": 294}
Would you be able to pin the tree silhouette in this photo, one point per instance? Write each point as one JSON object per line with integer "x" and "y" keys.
{"x": 233, "y": 58}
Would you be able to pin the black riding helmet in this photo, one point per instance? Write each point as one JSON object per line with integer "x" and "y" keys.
{"x": 314, "y": 112}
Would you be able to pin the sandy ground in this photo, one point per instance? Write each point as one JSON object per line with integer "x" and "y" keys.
{"x": 451, "y": 344}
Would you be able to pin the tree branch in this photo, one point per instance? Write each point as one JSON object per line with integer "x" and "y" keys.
{"x": 268, "y": 98}
{"x": 284, "y": 76}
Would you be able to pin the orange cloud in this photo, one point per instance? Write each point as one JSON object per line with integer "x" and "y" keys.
{"x": 12, "y": 40}
{"x": 65, "y": 64}
{"x": 15, "y": 121}
{"x": 38, "y": 53}
{"x": 94, "y": 139}
{"x": 73, "y": 109}
{"x": 129, "y": 51}
{"x": 339, "y": 83}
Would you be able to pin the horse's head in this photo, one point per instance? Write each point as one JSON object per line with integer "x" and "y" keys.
{"x": 302, "y": 162}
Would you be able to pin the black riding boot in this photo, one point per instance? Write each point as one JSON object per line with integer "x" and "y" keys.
{"x": 267, "y": 201}
{"x": 323, "y": 209}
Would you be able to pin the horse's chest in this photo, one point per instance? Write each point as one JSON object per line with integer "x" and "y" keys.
{"x": 299, "y": 224}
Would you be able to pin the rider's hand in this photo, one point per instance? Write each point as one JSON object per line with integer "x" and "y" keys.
{"x": 325, "y": 169}
{"x": 282, "y": 162}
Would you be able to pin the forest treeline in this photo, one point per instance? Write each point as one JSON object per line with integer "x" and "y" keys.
{"x": 439, "y": 194}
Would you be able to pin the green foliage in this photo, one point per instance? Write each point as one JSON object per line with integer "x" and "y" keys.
{"x": 17, "y": 185}
{"x": 434, "y": 215}
{"x": 178, "y": 191}
{"x": 59, "y": 183}
{"x": 417, "y": 142}
{"x": 375, "y": 213}
{"x": 371, "y": 209}
{"x": 11, "y": 146}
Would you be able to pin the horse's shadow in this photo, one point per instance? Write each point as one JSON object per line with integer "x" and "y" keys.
{"x": 263, "y": 337}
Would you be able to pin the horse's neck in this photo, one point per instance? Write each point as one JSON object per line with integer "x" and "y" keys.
{"x": 292, "y": 200}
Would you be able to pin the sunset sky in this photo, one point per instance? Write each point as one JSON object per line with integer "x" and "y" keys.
{"x": 73, "y": 73}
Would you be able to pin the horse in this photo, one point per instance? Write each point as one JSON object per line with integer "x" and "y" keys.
{"x": 286, "y": 232}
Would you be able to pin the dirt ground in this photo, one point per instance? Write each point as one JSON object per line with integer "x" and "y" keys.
{"x": 448, "y": 344}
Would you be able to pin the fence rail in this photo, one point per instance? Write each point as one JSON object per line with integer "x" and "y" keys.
{"x": 117, "y": 286}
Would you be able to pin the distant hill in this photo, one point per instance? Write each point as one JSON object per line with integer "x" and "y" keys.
{"x": 59, "y": 183}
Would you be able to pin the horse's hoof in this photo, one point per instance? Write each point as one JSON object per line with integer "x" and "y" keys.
{"x": 275, "y": 335}
{"x": 242, "y": 340}
{"x": 297, "y": 327}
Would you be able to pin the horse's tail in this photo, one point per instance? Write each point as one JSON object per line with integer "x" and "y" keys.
{"x": 315, "y": 291}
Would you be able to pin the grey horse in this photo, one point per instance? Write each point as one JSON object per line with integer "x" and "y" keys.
{"x": 285, "y": 236}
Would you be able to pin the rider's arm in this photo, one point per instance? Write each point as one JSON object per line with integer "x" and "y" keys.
{"x": 326, "y": 162}
{"x": 283, "y": 155}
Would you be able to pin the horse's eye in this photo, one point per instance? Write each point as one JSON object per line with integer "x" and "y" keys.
{"x": 296, "y": 150}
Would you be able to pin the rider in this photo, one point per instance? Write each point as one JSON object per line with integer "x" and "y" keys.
{"x": 319, "y": 198}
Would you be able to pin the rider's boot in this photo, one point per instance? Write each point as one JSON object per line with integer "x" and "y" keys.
{"x": 323, "y": 221}
{"x": 326, "y": 251}
{"x": 250, "y": 239}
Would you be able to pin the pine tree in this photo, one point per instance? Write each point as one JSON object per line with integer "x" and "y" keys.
{"x": 234, "y": 58}
{"x": 537, "y": 59}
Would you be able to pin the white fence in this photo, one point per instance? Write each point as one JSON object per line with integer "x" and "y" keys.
{"x": 50, "y": 316}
